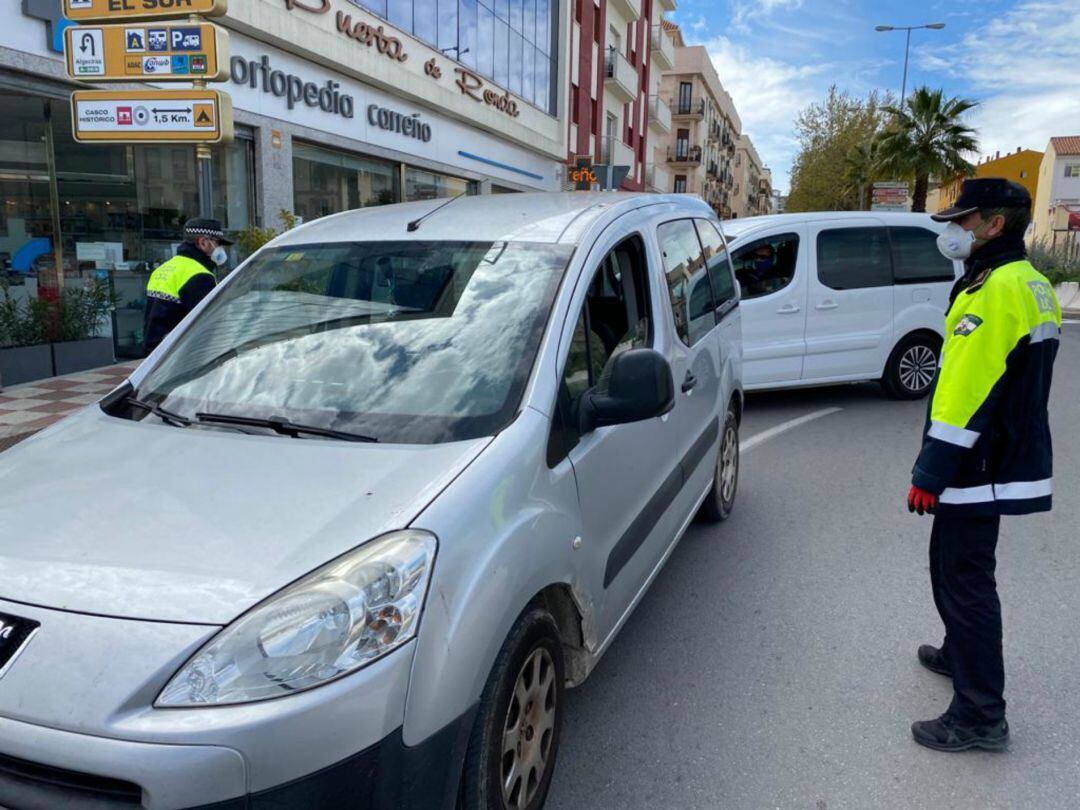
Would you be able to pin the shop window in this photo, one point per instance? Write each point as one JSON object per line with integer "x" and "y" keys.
{"x": 326, "y": 182}
{"x": 424, "y": 185}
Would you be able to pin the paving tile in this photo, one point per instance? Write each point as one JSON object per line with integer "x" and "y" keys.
{"x": 92, "y": 388}
{"x": 86, "y": 377}
{"x": 22, "y": 404}
{"x": 58, "y": 407}
{"x": 57, "y": 383}
{"x": 83, "y": 399}
{"x": 10, "y": 418}
{"x": 23, "y": 392}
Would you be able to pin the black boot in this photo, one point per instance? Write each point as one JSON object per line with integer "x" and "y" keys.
{"x": 945, "y": 734}
{"x": 933, "y": 659}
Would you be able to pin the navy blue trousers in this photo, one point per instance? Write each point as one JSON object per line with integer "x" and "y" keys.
{"x": 962, "y": 564}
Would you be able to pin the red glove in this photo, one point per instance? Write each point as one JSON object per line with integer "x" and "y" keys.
{"x": 921, "y": 501}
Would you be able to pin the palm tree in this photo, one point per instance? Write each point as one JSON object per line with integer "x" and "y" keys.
{"x": 861, "y": 167}
{"x": 926, "y": 137}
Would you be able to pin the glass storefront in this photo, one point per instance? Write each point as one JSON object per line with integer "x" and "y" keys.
{"x": 326, "y": 182}
{"x": 511, "y": 42}
{"x": 118, "y": 212}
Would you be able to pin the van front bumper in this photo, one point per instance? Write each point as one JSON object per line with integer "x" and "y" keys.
{"x": 386, "y": 775}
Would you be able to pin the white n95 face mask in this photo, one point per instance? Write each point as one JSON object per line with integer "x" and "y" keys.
{"x": 954, "y": 242}
{"x": 219, "y": 256}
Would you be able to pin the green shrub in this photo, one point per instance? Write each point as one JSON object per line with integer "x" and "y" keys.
{"x": 1057, "y": 265}
{"x": 75, "y": 316}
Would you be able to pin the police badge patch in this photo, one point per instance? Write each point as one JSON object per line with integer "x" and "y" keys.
{"x": 968, "y": 324}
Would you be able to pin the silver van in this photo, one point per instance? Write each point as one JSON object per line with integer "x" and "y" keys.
{"x": 347, "y": 535}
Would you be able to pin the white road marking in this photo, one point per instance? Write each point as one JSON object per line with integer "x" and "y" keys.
{"x": 784, "y": 427}
{"x": 1068, "y": 321}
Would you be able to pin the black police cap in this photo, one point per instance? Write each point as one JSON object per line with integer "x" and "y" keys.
{"x": 210, "y": 228}
{"x": 982, "y": 193}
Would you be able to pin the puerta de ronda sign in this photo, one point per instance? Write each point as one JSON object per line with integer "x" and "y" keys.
{"x": 375, "y": 36}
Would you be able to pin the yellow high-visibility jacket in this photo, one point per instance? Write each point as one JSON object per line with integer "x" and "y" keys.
{"x": 986, "y": 446}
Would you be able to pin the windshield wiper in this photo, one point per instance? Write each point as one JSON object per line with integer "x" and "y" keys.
{"x": 168, "y": 417}
{"x": 283, "y": 426}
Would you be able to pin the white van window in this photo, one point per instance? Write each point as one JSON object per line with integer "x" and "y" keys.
{"x": 916, "y": 258}
{"x": 688, "y": 282}
{"x": 854, "y": 258}
{"x": 716, "y": 262}
{"x": 766, "y": 265}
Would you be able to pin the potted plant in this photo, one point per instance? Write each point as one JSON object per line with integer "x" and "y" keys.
{"x": 24, "y": 353}
{"x": 78, "y": 319}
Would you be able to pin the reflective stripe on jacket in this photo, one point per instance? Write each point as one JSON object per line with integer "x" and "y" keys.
{"x": 986, "y": 447}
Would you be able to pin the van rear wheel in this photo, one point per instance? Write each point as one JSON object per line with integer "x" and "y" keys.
{"x": 911, "y": 367}
{"x": 511, "y": 755}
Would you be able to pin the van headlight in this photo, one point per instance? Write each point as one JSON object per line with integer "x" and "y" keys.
{"x": 335, "y": 620}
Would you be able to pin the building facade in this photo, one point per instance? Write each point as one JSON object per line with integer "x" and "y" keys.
{"x": 1021, "y": 166}
{"x": 616, "y": 52}
{"x": 400, "y": 100}
{"x": 1056, "y": 211}
{"x": 753, "y": 182}
{"x": 700, "y": 149}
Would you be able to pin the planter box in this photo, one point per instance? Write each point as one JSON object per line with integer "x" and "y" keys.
{"x": 25, "y": 364}
{"x": 81, "y": 355}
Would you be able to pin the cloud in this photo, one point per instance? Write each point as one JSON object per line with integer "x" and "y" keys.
{"x": 745, "y": 11}
{"x": 767, "y": 94}
{"x": 1022, "y": 68}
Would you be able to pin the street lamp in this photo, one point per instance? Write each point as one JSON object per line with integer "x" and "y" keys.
{"x": 909, "y": 29}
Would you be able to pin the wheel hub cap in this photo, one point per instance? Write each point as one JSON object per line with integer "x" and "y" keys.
{"x": 917, "y": 367}
{"x": 528, "y": 730}
{"x": 728, "y": 464}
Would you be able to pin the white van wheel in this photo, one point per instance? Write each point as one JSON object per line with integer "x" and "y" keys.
{"x": 912, "y": 366}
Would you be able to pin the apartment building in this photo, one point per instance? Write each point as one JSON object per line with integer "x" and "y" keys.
{"x": 700, "y": 149}
{"x": 613, "y": 47}
{"x": 1021, "y": 166}
{"x": 752, "y": 193}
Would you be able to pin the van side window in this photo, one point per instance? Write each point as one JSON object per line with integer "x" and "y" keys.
{"x": 854, "y": 258}
{"x": 766, "y": 265}
{"x": 688, "y": 282}
{"x": 617, "y": 316}
{"x": 716, "y": 262}
{"x": 916, "y": 259}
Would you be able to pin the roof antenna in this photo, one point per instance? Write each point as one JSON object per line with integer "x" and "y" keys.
{"x": 415, "y": 224}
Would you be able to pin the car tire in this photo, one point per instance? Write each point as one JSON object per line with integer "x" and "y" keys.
{"x": 721, "y": 498}
{"x": 910, "y": 371}
{"x": 515, "y": 736}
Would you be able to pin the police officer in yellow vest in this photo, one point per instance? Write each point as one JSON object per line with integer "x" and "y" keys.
{"x": 986, "y": 448}
{"x": 183, "y": 281}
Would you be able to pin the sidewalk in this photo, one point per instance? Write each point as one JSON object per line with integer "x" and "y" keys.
{"x": 27, "y": 408}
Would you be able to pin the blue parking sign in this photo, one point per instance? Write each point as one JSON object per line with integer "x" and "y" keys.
{"x": 185, "y": 39}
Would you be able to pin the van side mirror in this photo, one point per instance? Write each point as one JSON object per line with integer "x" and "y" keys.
{"x": 640, "y": 387}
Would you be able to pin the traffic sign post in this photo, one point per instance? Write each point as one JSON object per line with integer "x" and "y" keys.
{"x": 118, "y": 10}
{"x": 155, "y": 52}
{"x": 147, "y": 42}
{"x": 151, "y": 116}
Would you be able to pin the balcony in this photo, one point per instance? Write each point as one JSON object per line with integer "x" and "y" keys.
{"x": 688, "y": 108}
{"x": 663, "y": 48}
{"x": 630, "y": 10}
{"x": 659, "y": 115}
{"x": 684, "y": 155}
{"x": 621, "y": 80}
{"x": 713, "y": 170}
{"x": 668, "y": 5}
{"x": 657, "y": 179}
{"x": 616, "y": 153}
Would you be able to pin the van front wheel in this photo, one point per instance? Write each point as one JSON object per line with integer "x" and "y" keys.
{"x": 511, "y": 754}
{"x": 911, "y": 367}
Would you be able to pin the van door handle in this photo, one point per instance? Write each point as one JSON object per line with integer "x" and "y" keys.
{"x": 689, "y": 381}
{"x": 827, "y": 305}
{"x": 788, "y": 309}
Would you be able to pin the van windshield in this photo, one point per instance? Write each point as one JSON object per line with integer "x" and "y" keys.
{"x": 412, "y": 342}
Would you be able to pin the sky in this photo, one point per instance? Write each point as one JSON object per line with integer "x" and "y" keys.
{"x": 1020, "y": 59}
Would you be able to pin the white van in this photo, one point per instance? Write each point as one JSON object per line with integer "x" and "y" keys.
{"x": 833, "y": 297}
